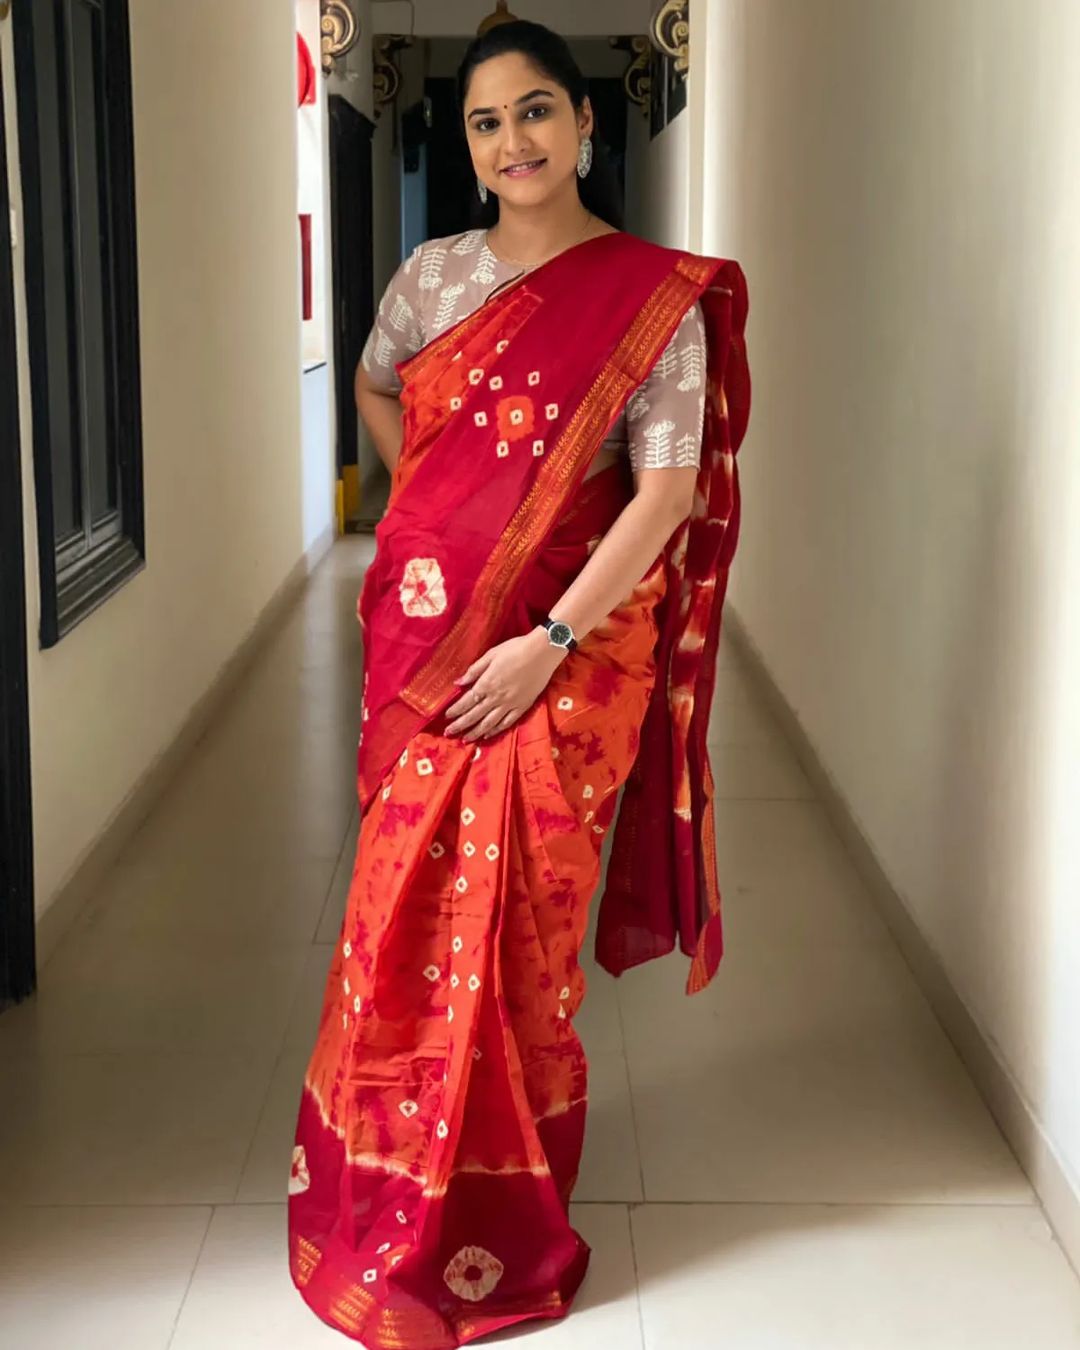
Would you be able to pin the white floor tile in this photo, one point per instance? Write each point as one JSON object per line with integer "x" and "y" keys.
{"x": 816, "y": 1075}
{"x": 110, "y": 992}
{"x": 241, "y": 1296}
{"x": 97, "y": 1277}
{"x": 303, "y": 1023}
{"x": 264, "y": 901}
{"x": 787, "y": 881}
{"x": 266, "y": 1170}
{"x": 810, "y": 1277}
{"x": 609, "y": 1163}
{"x": 135, "y": 1129}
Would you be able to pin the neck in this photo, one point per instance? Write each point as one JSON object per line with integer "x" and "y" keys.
{"x": 534, "y": 233}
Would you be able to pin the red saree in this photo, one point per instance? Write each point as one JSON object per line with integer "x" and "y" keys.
{"x": 442, "y": 1115}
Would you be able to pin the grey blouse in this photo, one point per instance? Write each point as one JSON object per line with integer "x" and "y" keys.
{"x": 444, "y": 280}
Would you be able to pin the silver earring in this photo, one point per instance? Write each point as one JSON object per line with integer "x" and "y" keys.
{"x": 584, "y": 159}
{"x": 481, "y": 191}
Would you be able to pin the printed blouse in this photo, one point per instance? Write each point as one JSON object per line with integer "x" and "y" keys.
{"x": 444, "y": 280}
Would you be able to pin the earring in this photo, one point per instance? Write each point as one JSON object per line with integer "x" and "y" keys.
{"x": 584, "y": 159}
{"x": 481, "y": 191}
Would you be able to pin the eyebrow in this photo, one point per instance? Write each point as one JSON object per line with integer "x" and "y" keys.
{"x": 533, "y": 93}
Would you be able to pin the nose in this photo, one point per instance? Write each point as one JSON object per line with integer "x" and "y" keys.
{"x": 516, "y": 141}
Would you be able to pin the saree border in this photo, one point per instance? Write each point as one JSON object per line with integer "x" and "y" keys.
{"x": 626, "y": 367}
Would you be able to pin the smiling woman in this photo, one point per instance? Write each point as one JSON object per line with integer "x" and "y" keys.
{"x": 560, "y": 404}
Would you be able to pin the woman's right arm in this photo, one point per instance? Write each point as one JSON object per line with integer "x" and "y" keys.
{"x": 395, "y": 335}
{"x": 380, "y": 412}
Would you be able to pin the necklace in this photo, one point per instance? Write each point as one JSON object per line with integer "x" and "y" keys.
{"x": 525, "y": 266}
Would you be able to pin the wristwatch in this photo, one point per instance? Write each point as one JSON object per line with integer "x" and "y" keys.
{"x": 560, "y": 634}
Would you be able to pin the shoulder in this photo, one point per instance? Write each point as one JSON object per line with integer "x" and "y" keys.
{"x": 461, "y": 244}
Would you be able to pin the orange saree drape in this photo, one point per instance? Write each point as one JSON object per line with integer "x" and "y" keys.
{"x": 443, "y": 1110}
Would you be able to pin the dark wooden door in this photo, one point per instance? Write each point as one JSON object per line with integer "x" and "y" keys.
{"x": 351, "y": 245}
{"x": 17, "y": 962}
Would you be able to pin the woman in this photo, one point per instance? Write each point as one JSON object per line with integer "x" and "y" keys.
{"x": 540, "y": 625}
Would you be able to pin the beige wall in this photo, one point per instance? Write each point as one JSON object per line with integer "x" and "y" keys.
{"x": 899, "y": 183}
{"x": 215, "y": 152}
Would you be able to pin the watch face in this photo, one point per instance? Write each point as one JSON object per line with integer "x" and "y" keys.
{"x": 560, "y": 634}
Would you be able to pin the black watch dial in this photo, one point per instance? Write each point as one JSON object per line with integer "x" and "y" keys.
{"x": 560, "y": 634}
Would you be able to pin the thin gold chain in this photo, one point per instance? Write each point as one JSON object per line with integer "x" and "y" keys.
{"x": 516, "y": 262}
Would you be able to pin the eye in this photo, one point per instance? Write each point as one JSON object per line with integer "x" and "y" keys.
{"x": 485, "y": 124}
{"x": 540, "y": 108}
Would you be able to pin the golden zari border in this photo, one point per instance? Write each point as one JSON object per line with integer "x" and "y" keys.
{"x": 625, "y": 369}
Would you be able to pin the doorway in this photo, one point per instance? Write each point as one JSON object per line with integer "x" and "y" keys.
{"x": 17, "y": 955}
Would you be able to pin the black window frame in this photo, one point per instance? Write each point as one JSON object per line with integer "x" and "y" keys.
{"x": 78, "y": 573}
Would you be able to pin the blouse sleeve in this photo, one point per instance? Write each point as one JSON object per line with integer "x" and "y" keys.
{"x": 665, "y": 413}
{"x": 398, "y": 328}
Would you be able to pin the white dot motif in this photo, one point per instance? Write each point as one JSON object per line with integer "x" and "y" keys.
{"x": 424, "y": 767}
{"x": 457, "y": 944}
{"x": 454, "y": 981}
{"x": 474, "y": 983}
{"x": 408, "y": 1108}
{"x": 370, "y": 1276}
{"x": 468, "y": 816}
{"x": 587, "y": 791}
{"x": 495, "y": 382}
{"x": 400, "y": 1216}
{"x": 476, "y": 375}
{"x": 565, "y": 703}
{"x": 431, "y": 973}
{"x": 347, "y": 949}
{"x": 436, "y": 849}
{"x": 480, "y": 418}
{"x": 442, "y": 1129}
{"x": 502, "y": 449}
{"x": 468, "y": 848}
{"x": 385, "y": 1247}
{"x": 502, "y": 345}
{"x": 455, "y": 403}
{"x": 516, "y": 417}
{"x": 538, "y": 448}
{"x": 491, "y": 852}
{"x": 461, "y": 885}
{"x": 534, "y": 377}
{"x": 551, "y": 411}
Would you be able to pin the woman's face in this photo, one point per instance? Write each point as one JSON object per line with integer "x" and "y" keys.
{"x": 524, "y": 133}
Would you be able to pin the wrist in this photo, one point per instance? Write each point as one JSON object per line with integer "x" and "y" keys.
{"x": 545, "y": 647}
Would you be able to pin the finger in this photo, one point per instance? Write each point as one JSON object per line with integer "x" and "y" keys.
{"x": 486, "y": 723}
{"x": 507, "y": 721}
{"x": 473, "y": 708}
{"x": 475, "y": 670}
{"x": 467, "y": 701}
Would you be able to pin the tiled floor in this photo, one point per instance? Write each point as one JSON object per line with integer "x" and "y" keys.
{"x": 793, "y": 1160}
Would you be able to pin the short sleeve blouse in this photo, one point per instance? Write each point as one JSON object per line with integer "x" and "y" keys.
{"x": 444, "y": 280}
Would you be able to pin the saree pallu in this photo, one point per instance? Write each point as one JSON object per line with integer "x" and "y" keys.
{"x": 442, "y": 1115}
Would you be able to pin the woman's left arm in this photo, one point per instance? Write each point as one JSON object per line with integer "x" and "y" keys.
{"x": 510, "y": 675}
{"x": 664, "y": 421}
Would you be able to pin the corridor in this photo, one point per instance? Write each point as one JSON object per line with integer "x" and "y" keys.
{"x": 793, "y": 1160}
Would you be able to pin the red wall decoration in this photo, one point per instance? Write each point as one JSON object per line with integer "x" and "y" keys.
{"x": 305, "y": 73}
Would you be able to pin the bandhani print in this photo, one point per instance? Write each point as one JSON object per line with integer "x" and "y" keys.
{"x": 442, "y": 1114}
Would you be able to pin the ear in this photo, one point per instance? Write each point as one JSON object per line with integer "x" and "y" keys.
{"x": 586, "y": 122}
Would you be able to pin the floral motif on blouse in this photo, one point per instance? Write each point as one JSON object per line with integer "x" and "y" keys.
{"x": 444, "y": 280}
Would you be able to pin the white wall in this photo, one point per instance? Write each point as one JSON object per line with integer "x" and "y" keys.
{"x": 899, "y": 183}
{"x": 218, "y": 264}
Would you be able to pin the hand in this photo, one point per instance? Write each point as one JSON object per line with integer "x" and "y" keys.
{"x": 507, "y": 678}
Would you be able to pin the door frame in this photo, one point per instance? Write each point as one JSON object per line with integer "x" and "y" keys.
{"x": 18, "y": 976}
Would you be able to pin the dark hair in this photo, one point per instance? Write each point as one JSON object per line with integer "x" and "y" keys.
{"x": 599, "y": 190}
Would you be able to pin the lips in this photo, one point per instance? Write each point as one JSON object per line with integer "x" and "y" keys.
{"x": 523, "y": 169}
